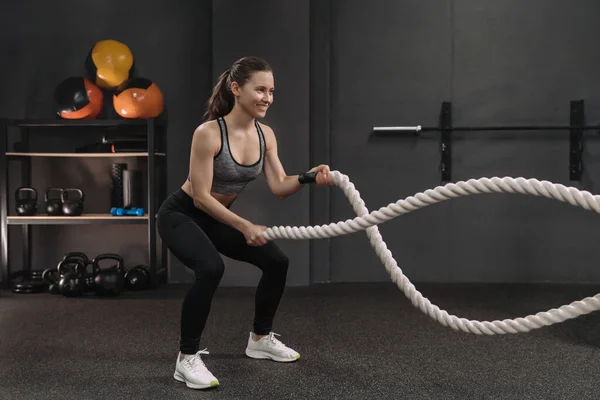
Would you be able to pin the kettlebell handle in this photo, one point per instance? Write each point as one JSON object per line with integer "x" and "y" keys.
{"x": 50, "y": 190}
{"x": 77, "y": 254}
{"x": 79, "y": 268}
{"x": 108, "y": 256}
{"x": 25, "y": 189}
{"x": 49, "y": 275}
{"x": 65, "y": 197}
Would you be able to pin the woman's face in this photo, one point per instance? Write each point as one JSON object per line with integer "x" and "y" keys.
{"x": 256, "y": 95}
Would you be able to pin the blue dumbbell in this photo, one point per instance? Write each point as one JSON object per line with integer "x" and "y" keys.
{"x": 119, "y": 212}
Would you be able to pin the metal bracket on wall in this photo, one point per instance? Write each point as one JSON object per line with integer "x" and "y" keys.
{"x": 446, "y": 141}
{"x": 575, "y": 128}
{"x": 577, "y": 112}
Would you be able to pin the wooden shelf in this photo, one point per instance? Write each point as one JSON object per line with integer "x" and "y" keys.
{"x": 85, "y": 219}
{"x": 78, "y": 122}
{"x": 83, "y": 155}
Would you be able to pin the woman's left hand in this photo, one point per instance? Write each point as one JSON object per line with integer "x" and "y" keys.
{"x": 323, "y": 176}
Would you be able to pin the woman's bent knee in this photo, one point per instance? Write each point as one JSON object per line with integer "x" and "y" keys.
{"x": 282, "y": 262}
{"x": 212, "y": 270}
{"x": 276, "y": 263}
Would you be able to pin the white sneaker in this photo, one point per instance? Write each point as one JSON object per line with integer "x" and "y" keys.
{"x": 192, "y": 371}
{"x": 269, "y": 347}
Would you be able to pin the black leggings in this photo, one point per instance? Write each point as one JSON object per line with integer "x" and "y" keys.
{"x": 196, "y": 239}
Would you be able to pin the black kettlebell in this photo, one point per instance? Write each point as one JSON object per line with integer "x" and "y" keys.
{"x": 137, "y": 278}
{"x": 87, "y": 276}
{"x": 26, "y": 206}
{"x": 72, "y": 280}
{"x": 108, "y": 281}
{"x": 70, "y": 207}
{"x": 53, "y": 204}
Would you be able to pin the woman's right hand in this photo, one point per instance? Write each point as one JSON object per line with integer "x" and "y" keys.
{"x": 253, "y": 234}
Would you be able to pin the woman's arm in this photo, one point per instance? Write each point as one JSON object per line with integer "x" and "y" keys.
{"x": 205, "y": 143}
{"x": 279, "y": 182}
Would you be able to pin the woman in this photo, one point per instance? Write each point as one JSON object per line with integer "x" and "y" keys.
{"x": 228, "y": 151}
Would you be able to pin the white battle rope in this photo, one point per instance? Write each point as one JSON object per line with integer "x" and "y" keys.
{"x": 368, "y": 222}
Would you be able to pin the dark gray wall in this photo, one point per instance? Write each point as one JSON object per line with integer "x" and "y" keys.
{"x": 500, "y": 63}
{"x": 342, "y": 67}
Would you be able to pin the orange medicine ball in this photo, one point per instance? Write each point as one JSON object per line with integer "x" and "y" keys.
{"x": 109, "y": 63}
{"x": 138, "y": 98}
{"x": 78, "y": 98}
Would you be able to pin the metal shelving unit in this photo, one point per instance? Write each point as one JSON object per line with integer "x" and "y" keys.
{"x": 156, "y": 178}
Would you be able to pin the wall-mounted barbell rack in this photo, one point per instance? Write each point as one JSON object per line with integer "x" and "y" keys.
{"x": 575, "y": 129}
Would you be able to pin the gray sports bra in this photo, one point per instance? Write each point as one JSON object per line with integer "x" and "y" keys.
{"x": 229, "y": 176}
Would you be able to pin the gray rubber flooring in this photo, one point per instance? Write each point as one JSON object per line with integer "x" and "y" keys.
{"x": 357, "y": 341}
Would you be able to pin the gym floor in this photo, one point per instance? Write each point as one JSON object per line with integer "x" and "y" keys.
{"x": 357, "y": 341}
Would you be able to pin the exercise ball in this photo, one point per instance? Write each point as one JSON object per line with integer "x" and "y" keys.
{"x": 138, "y": 98}
{"x": 78, "y": 98}
{"x": 109, "y": 63}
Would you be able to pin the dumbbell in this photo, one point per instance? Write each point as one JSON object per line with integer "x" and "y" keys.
{"x": 119, "y": 211}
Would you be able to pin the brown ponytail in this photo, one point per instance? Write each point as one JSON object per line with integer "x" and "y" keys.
{"x": 221, "y": 100}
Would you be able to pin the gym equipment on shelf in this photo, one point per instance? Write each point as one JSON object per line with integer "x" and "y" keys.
{"x": 109, "y": 63}
{"x": 26, "y": 206}
{"x": 70, "y": 207}
{"x": 138, "y": 98}
{"x": 24, "y": 137}
{"x": 116, "y": 187}
{"x": 78, "y": 98}
{"x": 119, "y": 211}
{"x": 53, "y": 204}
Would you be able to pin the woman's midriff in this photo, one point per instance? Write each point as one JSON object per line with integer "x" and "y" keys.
{"x": 225, "y": 199}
